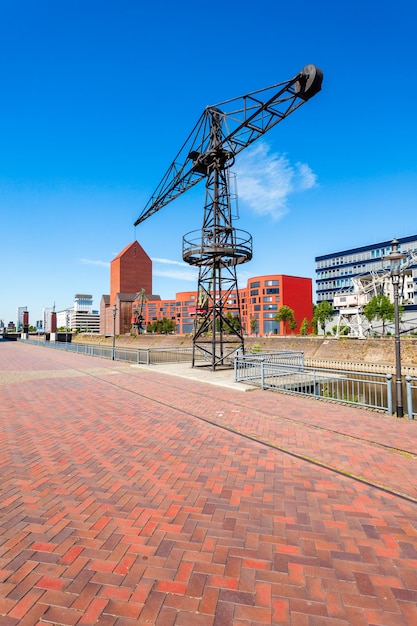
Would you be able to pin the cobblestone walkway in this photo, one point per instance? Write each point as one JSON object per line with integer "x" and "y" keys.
{"x": 129, "y": 496}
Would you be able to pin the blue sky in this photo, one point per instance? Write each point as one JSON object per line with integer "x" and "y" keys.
{"x": 98, "y": 96}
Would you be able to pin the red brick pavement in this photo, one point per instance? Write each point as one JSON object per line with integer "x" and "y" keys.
{"x": 122, "y": 502}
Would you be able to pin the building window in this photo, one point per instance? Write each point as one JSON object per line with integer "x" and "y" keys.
{"x": 255, "y": 284}
{"x": 271, "y": 327}
{"x": 271, "y": 283}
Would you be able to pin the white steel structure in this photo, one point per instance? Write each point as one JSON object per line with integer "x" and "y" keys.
{"x": 351, "y": 304}
{"x": 350, "y": 278}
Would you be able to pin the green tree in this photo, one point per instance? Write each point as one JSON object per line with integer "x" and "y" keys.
{"x": 304, "y": 327}
{"x": 228, "y": 325}
{"x": 163, "y": 326}
{"x": 380, "y": 308}
{"x": 323, "y": 312}
{"x": 286, "y": 315}
{"x": 254, "y": 325}
{"x": 292, "y": 324}
{"x": 343, "y": 330}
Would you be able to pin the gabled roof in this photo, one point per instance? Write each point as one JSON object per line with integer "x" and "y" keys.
{"x": 128, "y": 247}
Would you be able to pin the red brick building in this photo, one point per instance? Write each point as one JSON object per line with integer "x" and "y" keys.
{"x": 130, "y": 272}
{"x": 265, "y": 295}
{"x": 261, "y": 299}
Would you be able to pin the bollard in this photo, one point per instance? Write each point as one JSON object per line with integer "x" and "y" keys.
{"x": 409, "y": 397}
{"x": 389, "y": 393}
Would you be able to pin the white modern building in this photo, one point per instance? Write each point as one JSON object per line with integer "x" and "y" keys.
{"x": 350, "y": 278}
{"x": 335, "y": 272}
{"x": 81, "y": 316}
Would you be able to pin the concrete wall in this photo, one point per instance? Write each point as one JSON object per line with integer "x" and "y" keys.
{"x": 331, "y": 349}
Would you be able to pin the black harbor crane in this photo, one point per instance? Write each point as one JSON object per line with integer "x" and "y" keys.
{"x": 209, "y": 152}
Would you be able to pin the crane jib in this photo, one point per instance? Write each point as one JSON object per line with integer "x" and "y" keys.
{"x": 242, "y": 126}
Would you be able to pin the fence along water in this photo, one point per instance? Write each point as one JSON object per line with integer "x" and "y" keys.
{"x": 283, "y": 373}
{"x": 282, "y": 370}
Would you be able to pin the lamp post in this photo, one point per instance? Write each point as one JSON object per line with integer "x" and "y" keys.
{"x": 395, "y": 257}
{"x": 114, "y": 332}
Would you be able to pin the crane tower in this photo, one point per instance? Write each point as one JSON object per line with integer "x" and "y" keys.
{"x": 209, "y": 152}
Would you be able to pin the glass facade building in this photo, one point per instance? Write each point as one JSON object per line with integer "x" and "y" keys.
{"x": 335, "y": 272}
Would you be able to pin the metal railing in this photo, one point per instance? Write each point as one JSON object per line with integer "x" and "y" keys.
{"x": 250, "y": 363}
{"x": 366, "y": 390}
{"x": 89, "y": 349}
{"x": 176, "y": 354}
{"x": 146, "y": 356}
{"x": 293, "y": 358}
{"x": 411, "y": 391}
{"x": 279, "y": 370}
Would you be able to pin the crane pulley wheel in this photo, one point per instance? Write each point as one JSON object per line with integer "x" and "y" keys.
{"x": 309, "y": 82}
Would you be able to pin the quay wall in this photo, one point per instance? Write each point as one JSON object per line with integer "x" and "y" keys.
{"x": 376, "y": 355}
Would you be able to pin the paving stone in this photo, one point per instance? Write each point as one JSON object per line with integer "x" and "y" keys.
{"x": 130, "y": 496}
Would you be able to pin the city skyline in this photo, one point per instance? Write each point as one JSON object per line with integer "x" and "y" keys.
{"x": 98, "y": 99}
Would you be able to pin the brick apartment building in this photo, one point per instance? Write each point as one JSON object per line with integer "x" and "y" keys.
{"x": 261, "y": 299}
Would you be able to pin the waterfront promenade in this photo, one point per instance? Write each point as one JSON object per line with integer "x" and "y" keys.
{"x": 170, "y": 496}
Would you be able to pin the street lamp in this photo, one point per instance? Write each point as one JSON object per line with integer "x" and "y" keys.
{"x": 395, "y": 257}
{"x": 114, "y": 332}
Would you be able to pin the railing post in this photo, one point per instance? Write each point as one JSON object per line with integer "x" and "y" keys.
{"x": 389, "y": 393}
{"x": 148, "y": 356}
{"x": 235, "y": 369}
{"x": 409, "y": 397}
{"x": 262, "y": 375}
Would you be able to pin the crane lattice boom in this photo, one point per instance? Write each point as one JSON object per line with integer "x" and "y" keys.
{"x": 243, "y": 120}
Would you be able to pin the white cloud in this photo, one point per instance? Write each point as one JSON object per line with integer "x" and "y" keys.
{"x": 185, "y": 274}
{"x": 97, "y": 263}
{"x": 265, "y": 180}
{"x": 167, "y": 261}
{"x": 184, "y": 271}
